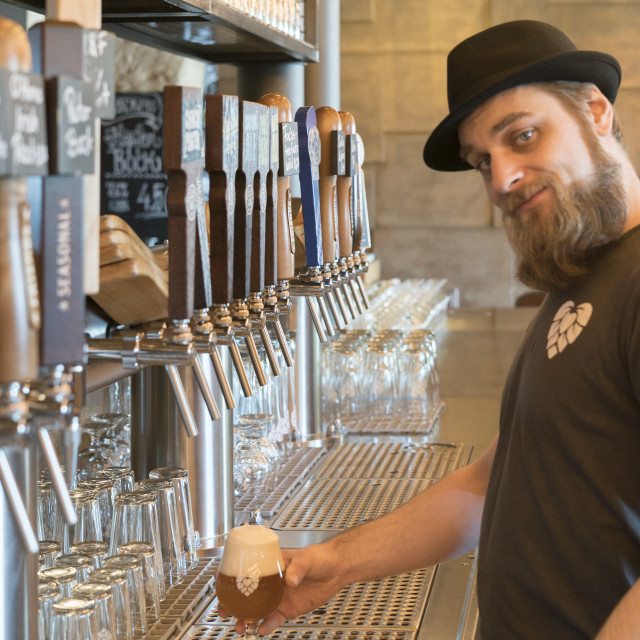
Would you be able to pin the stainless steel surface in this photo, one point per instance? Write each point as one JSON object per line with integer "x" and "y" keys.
{"x": 307, "y": 371}
{"x": 395, "y": 603}
{"x": 157, "y": 441}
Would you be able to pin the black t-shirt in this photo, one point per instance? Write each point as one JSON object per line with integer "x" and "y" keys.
{"x": 560, "y": 537}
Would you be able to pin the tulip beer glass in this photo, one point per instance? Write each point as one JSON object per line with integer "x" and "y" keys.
{"x": 250, "y": 581}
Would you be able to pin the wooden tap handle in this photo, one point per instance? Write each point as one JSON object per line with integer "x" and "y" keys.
{"x": 346, "y": 219}
{"x": 183, "y": 163}
{"x": 363, "y": 230}
{"x": 221, "y": 163}
{"x": 288, "y": 164}
{"x": 271, "y": 224}
{"x": 249, "y": 127}
{"x": 329, "y": 125}
{"x": 20, "y": 317}
{"x": 87, "y": 14}
{"x": 259, "y": 223}
{"x": 310, "y": 157}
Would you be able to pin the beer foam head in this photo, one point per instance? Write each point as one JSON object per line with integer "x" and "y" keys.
{"x": 251, "y": 548}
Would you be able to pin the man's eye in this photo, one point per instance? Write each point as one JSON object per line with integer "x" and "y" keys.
{"x": 483, "y": 165}
{"x": 525, "y": 136}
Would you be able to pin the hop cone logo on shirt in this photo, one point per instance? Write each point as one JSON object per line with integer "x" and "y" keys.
{"x": 249, "y": 583}
{"x": 567, "y": 325}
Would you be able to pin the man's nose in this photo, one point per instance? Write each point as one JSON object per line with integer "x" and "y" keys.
{"x": 506, "y": 173}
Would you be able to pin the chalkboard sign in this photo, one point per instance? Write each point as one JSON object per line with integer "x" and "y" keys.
{"x": 289, "y": 152}
{"x": 71, "y": 129}
{"x": 28, "y": 125}
{"x": 99, "y": 68}
{"x": 134, "y": 186}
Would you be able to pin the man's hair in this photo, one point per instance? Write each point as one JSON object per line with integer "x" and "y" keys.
{"x": 575, "y": 96}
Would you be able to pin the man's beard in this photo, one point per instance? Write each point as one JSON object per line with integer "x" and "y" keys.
{"x": 554, "y": 250}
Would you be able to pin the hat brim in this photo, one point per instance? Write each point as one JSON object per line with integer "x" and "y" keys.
{"x": 442, "y": 150}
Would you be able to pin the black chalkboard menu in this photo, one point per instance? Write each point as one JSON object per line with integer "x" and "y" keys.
{"x": 134, "y": 186}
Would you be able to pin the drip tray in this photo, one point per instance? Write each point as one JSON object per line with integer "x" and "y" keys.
{"x": 394, "y": 460}
{"x": 228, "y": 633}
{"x": 388, "y": 609}
{"x": 340, "y": 503}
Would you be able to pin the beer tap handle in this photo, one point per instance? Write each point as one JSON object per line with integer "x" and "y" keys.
{"x": 182, "y": 159}
{"x": 245, "y": 185}
{"x": 20, "y": 318}
{"x": 255, "y": 359}
{"x": 259, "y": 216}
{"x": 331, "y": 165}
{"x": 310, "y": 157}
{"x": 244, "y": 204}
{"x": 221, "y": 162}
{"x": 57, "y": 476}
{"x": 259, "y": 231}
{"x": 181, "y": 398}
{"x": 322, "y": 305}
{"x": 346, "y": 225}
{"x": 282, "y": 341}
{"x": 236, "y": 358}
{"x": 16, "y": 504}
{"x": 201, "y": 379}
{"x": 341, "y": 318}
{"x": 285, "y": 162}
{"x": 363, "y": 237}
{"x": 225, "y": 388}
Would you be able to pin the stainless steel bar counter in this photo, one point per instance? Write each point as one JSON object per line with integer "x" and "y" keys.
{"x": 438, "y": 603}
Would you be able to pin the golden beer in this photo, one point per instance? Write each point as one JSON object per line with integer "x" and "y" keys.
{"x": 257, "y": 604}
{"x": 250, "y": 581}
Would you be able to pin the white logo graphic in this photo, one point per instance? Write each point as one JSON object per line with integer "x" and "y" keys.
{"x": 248, "y": 584}
{"x": 567, "y": 325}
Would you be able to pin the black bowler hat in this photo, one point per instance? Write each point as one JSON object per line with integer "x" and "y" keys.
{"x": 502, "y": 57}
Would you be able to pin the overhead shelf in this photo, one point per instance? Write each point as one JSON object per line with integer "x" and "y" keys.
{"x": 208, "y": 30}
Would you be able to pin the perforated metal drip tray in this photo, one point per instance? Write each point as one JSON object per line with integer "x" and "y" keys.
{"x": 401, "y": 423}
{"x": 360, "y": 481}
{"x": 394, "y": 460}
{"x": 389, "y": 609}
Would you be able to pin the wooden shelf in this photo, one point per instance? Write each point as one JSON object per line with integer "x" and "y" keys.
{"x": 208, "y": 30}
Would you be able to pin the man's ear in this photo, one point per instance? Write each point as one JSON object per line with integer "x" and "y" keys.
{"x": 601, "y": 111}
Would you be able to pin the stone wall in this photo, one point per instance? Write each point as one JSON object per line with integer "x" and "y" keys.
{"x": 393, "y": 57}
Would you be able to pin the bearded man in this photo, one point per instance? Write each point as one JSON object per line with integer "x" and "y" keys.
{"x": 554, "y": 504}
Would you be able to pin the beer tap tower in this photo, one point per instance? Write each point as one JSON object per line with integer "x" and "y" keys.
{"x": 272, "y": 309}
{"x": 332, "y": 165}
{"x": 284, "y": 143}
{"x": 309, "y": 280}
{"x": 258, "y": 231}
{"x": 347, "y": 194}
{"x": 221, "y": 163}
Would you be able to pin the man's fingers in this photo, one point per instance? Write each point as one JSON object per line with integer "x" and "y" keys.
{"x": 271, "y": 623}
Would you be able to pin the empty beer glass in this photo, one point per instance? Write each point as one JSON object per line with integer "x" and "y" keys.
{"x": 73, "y": 619}
{"x": 105, "y": 614}
{"x": 88, "y": 525}
{"x": 48, "y": 551}
{"x": 78, "y": 561}
{"x": 122, "y": 476}
{"x": 66, "y": 577}
{"x": 117, "y": 580}
{"x": 48, "y": 593}
{"x": 250, "y": 581}
{"x": 94, "y": 549}
{"x": 180, "y": 479}
{"x": 106, "y": 491}
{"x": 132, "y": 566}
{"x": 135, "y": 519}
{"x": 153, "y": 581}
{"x": 173, "y": 565}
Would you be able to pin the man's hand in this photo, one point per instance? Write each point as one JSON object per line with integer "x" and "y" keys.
{"x": 312, "y": 577}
